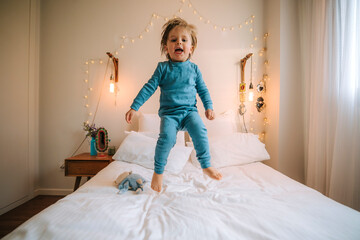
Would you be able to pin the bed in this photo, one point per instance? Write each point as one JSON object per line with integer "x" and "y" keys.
{"x": 252, "y": 201}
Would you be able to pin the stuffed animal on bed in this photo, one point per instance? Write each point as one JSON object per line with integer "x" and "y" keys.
{"x": 129, "y": 181}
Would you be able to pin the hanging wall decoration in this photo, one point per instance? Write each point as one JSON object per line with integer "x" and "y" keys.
{"x": 126, "y": 41}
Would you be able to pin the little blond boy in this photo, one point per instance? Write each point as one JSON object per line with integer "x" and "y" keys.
{"x": 179, "y": 81}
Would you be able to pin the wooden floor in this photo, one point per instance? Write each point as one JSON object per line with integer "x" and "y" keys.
{"x": 15, "y": 217}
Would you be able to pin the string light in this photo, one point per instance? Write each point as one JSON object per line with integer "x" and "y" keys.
{"x": 246, "y": 24}
{"x": 249, "y": 22}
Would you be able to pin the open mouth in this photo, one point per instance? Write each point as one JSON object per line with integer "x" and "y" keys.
{"x": 179, "y": 50}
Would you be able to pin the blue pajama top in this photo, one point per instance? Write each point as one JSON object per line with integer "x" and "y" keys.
{"x": 179, "y": 82}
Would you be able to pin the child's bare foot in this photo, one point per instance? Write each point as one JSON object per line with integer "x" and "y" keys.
{"x": 213, "y": 173}
{"x": 156, "y": 182}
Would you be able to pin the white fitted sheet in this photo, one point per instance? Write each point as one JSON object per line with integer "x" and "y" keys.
{"x": 251, "y": 202}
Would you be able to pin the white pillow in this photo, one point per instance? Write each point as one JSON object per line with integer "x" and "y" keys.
{"x": 150, "y": 123}
{"x": 223, "y": 124}
{"x": 233, "y": 149}
{"x": 140, "y": 149}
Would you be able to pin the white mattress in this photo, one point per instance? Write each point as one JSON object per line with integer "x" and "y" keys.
{"x": 251, "y": 202}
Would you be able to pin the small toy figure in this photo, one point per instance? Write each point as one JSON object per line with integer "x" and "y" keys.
{"x": 129, "y": 181}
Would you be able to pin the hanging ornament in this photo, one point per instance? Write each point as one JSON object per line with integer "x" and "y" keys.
{"x": 261, "y": 86}
{"x": 260, "y": 104}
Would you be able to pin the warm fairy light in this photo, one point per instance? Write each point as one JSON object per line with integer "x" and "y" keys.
{"x": 125, "y": 40}
{"x": 112, "y": 87}
{"x": 251, "y": 95}
{"x": 248, "y": 21}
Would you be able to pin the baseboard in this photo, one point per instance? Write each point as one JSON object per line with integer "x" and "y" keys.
{"x": 37, "y": 192}
{"x": 53, "y": 191}
{"x": 15, "y": 204}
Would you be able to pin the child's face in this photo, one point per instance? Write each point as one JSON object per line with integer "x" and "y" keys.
{"x": 179, "y": 45}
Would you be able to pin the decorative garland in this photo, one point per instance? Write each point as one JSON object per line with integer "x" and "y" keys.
{"x": 128, "y": 41}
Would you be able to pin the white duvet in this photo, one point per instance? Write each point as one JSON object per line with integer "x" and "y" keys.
{"x": 251, "y": 202}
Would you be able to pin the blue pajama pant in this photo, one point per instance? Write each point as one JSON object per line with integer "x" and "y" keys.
{"x": 170, "y": 124}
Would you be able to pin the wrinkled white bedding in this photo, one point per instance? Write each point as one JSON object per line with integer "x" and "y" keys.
{"x": 251, "y": 202}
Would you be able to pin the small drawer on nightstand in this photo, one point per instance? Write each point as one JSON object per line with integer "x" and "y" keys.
{"x": 84, "y": 168}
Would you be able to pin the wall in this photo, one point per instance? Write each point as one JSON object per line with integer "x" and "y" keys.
{"x": 285, "y": 135}
{"x": 291, "y": 141}
{"x": 73, "y": 32}
{"x": 272, "y": 27}
{"x": 18, "y": 102}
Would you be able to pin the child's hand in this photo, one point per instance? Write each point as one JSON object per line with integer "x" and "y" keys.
{"x": 210, "y": 114}
{"x": 129, "y": 115}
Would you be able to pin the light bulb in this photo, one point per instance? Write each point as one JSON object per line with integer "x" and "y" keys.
{"x": 112, "y": 84}
{"x": 112, "y": 87}
{"x": 251, "y": 95}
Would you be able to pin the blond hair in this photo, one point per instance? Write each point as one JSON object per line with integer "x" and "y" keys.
{"x": 171, "y": 24}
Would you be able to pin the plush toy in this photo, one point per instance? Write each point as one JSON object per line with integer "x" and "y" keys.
{"x": 129, "y": 181}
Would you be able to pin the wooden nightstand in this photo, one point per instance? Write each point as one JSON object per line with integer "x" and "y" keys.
{"x": 85, "y": 165}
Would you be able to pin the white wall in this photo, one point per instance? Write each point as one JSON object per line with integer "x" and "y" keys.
{"x": 285, "y": 135}
{"x": 291, "y": 141}
{"x": 75, "y": 31}
{"x": 18, "y": 102}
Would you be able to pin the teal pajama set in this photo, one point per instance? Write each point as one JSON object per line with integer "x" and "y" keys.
{"x": 179, "y": 83}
